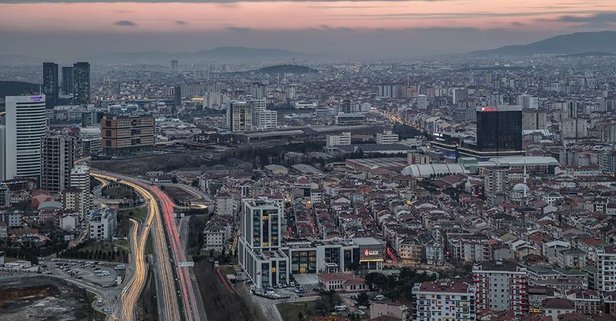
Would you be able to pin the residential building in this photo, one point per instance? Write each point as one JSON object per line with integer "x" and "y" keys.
{"x": 25, "y": 126}
{"x": 443, "y": 300}
{"x": 422, "y": 102}
{"x": 127, "y": 133}
{"x": 606, "y": 269}
{"x": 80, "y": 190}
{"x": 225, "y": 204}
{"x": 103, "y": 224}
{"x": 259, "y": 247}
{"x": 58, "y": 159}
{"x": 214, "y": 237}
{"x": 501, "y": 286}
{"x": 554, "y": 307}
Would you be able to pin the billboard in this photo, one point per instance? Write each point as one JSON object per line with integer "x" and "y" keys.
{"x": 371, "y": 253}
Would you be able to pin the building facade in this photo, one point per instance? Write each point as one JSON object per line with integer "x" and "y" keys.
{"x": 499, "y": 128}
{"x": 58, "y": 160}
{"x": 80, "y": 183}
{"x": 26, "y": 125}
{"x": 443, "y": 300}
{"x": 127, "y": 134}
{"x": 501, "y": 286}
{"x": 81, "y": 83}
{"x": 51, "y": 85}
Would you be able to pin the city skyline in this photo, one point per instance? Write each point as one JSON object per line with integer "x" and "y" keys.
{"x": 376, "y": 28}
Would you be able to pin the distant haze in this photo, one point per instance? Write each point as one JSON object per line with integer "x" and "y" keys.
{"x": 67, "y": 30}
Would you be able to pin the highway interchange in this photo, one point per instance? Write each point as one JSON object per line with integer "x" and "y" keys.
{"x": 161, "y": 225}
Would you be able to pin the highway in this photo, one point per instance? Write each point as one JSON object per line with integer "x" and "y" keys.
{"x": 170, "y": 310}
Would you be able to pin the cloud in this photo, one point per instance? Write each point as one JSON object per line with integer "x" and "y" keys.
{"x": 240, "y": 29}
{"x": 125, "y": 23}
{"x": 181, "y": 22}
{"x": 598, "y": 20}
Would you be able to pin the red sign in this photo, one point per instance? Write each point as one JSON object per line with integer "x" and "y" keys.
{"x": 488, "y": 109}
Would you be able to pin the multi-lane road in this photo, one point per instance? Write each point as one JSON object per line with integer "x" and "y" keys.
{"x": 161, "y": 224}
{"x": 170, "y": 310}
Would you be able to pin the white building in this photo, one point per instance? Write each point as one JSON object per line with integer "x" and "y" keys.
{"x": 606, "y": 267}
{"x": 387, "y": 137}
{"x": 20, "y": 137}
{"x": 422, "y": 102}
{"x": 267, "y": 119}
{"x": 501, "y": 286}
{"x": 343, "y": 139}
{"x": 443, "y": 300}
{"x": 259, "y": 247}
{"x": 80, "y": 180}
{"x": 68, "y": 222}
{"x": 214, "y": 237}
{"x": 103, "y": 224}
{"x": 225, "y": 204}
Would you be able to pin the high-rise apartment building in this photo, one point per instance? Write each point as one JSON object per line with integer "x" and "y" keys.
{"x": 81, "y": 78}
{"x": 501, "y": 286}
{"x": 443, "y": 300}
{"x": 459, "y": 94}
{"x": 80, "y": 184}
{"x": 177, "y": 97}
{"x": 68, "y": 81}
{"x": 495, "y": 180}
{"x": 499, "y": 128}
{"x": 58, "y": 159}
{"x": 422, "y": 102}
{"x": 259, "y": 248}
{"x": 126, "y": 134}
{"x": 51, "y": 83}
{"x": 606, "y": 269}
{"x": 175, "y": 68}
{"x": 25, "y": 126}
{"x": 533, "y": 120}
{"x": 239, "y": 116}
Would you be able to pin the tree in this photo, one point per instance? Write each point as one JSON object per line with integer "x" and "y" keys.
{"x": 363, "y": 299}
{"x": 300, "y": 316}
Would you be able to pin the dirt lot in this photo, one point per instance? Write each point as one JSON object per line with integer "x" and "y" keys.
{"x": 42, "y": 299}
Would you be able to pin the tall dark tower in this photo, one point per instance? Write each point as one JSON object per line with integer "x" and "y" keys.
{"x": 499, "y": 128}
{"x": 81, "y": 91}
{"x": 177, "y": 92}
{"x": 50, "y": 83}
{"x": 68, "y": 82}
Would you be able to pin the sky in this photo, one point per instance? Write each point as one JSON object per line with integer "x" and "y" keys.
{"x": 82, "y": 28}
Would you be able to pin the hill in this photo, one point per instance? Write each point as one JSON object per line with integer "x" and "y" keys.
{"x": 575, "y": 43}
{"x": 286, "y": 69}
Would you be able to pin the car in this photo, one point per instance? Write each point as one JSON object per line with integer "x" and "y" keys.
{"x": 341, "y": 307}
{"x": 362, "y": 307}
{"x": 379, "y": 297}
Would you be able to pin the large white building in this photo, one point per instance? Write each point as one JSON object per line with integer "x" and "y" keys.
{"x": 422, "y": 102}
{"x": 20, "y": 137}
{"x": 443, "y": 300}
{"x": 267, "y": 119}
{"x": 57, "y": 162}
{"x": 343, "y": 139}
{"x": 225, "y": 204}
{"x": 387, "y": 137}
{"x": 259, "y": 248}
{"x": 80, "y": 181}
{"x": 103, "y": 224}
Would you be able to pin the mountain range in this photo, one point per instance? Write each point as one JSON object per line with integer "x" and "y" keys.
{"x": 219, "y": 53}
{"x": 580, "y": 43}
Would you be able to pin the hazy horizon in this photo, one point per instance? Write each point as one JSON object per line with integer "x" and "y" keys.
{"x": 67, "y": 30}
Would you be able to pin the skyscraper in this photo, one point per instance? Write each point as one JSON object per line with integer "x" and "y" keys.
{"x": 177, "y": 94}
{"x": 174, "y": 66}
{"x": 26, "y": 125}
{"x": 51, "y": 84}
{"x": 81, "y": 90}
{"x": 499, "y": 128}
{"x": 68, "y": 81}
{"x": 57, "y": 162}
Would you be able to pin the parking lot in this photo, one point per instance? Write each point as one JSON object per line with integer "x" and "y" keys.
{"x": 97, "y": 273}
